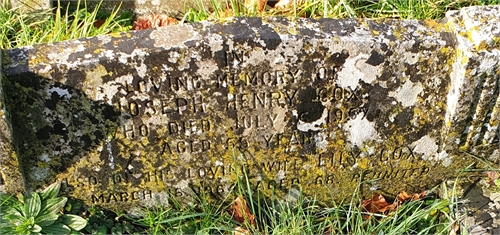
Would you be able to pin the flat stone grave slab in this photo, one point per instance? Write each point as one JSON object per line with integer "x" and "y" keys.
{"x": 321, "y": 106}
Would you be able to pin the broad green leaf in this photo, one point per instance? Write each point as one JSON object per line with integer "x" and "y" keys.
{"x": 57, "y": 228}
{"x": 73, "y": 232}
{"x": 17, "y": 209}
{"x": 53, "y": 205}
{"x": 26, "y": 226}
{"x": 22, "y": 229}
{"x": 51, "y": 191}
{"x": 15, "y": 218}
{"x": 102, "y": 230}
{"x": 36, "y": 228}
{"x": 7, "y": 229}
{"x": 75, "y": 222}
{"x": 32, "y": 205}
{"x": 46, "y": 220}
{"x": 20, "y": 198}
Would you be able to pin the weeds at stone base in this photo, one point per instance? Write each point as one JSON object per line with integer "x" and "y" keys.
{"x": 19, "y": 29}
{"x": 430, "y": 215}
{"x": 38, "y": 213}
{"x": 22, "y": 29}
{"x": 394, "y": 9}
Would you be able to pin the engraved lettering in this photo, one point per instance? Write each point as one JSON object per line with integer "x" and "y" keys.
{"x": 233, "y": 58}
{"x": 133, "y": 108}
{"x": 268, "y": 140}
{"x": 92, "y": 180}
{"x": 141, "y": 86}
{"x": 150, "y": 110}
{"x": 181, "y": 147}
{"x": 156, "y": 86}
{"x": 166, "y": 148}
{"x": 143, "y": 130}
{"x": 290, "y": 96}
{"x": 128, "y": 131}
{"x": 96, "y": 199}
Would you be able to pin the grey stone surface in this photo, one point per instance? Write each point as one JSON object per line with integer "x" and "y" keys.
{"x": 31, "y": 5}
{"x": 322, "y": 105}
{"x": 10, "y": 175}
{"x": 481, "y": 208}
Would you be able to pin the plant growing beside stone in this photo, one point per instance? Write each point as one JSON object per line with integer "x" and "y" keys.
{"x": 37, "y": 213}
{"x": 19, "y": 29}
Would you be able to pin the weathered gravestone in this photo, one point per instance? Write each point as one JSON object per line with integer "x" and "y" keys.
{"x": 320, "y": 105}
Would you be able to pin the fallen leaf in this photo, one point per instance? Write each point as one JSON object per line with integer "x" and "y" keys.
{"x": 404, "y": 196}
{"x": 240, "y": 211}
{"x": 377, "y": 204}
{"x": 99, "y": 23}
{"x": 154, "y": 21}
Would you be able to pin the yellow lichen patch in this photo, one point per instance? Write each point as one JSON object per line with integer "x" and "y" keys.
{"x": 94, "y": 79}
{"x": 483, "y": 45}
{"x": 399, "y": 32}
{"x": 436, "y": 26}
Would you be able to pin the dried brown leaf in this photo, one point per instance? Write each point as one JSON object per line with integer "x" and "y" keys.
{"x": 404, "y": 196}
{"x": 99, "y": 23}
{"x": 240, "y": 211}
{"x": 377, "y": 204}
{"x": 154, "y": 21}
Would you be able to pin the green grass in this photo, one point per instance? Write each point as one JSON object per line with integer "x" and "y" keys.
{"x": 429, "y": 215}
{"x": 22, "y": 29}
{"x": 397, "y": 9}
{"x": 303, "y": 215}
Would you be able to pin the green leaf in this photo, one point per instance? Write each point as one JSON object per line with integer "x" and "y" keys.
{"x": 46, "y": 220}
{"x": 36, "y": 228}
{"x": 73, "y": 232}
{"x": 497, "y": 182}
{"x": 7, "y": 229}
{"x": 20, "y": 197}
{"x": 23, "y": 229}
{"x": 26, "y": 226}
{"x": 57, "y": 228}
{"x": 51, "y": 191}
{"x": 53, "y": 205}
{"x": 15, "y": 218}
{"x": 102, "y": 230}
{"x": 7, "y": 201}
{"x": 32, "y": 205}
{"x": 75, "y": 222}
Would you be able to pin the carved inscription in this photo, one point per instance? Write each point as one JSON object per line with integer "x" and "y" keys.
{"x": 262, "y": 104}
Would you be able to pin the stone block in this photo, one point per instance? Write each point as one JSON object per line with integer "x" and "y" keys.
{"x": 321, "y": 106}
{"x": 31, "y": 5}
